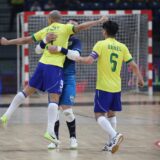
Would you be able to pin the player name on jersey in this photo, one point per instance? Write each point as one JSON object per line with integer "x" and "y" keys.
{"x": 117, "y": 48}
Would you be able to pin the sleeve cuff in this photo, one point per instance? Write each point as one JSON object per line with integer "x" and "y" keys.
{"x": 73, "y": 30}
{"x": 76, "y": 49}
{"x": 129, "y": 60}
{"x": 33, "y": 37}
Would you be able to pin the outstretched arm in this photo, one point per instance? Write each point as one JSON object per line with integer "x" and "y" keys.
{"x": 89, "y": 24}
{"x": 136, "y": 71}
{"x": 18, "y": 41}
{"x": 85, "y": 60}
{"x": 24, "y": 40}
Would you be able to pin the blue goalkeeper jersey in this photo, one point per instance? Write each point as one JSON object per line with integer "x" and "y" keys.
{"x": 69, "y": 65}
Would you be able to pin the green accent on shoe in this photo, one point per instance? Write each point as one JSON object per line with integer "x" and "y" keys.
{"x": 51, "y": 138}
{"x": 4, "y": 120}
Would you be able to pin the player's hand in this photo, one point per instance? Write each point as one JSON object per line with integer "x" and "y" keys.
{"x": 3, "y": 41}
{"x": 50, "y": 37}
{"x": 53, "y": 49}
{"x": 140, "y": 83}
{"x": 78, "y": 59}
{"x": 103, "y": 19}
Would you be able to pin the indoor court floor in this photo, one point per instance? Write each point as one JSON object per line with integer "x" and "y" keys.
{"x": 139, "y": 122}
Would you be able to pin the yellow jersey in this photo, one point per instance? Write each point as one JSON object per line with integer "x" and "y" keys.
{"x": 111, "y": 55}
{"x": 63, "y": 32}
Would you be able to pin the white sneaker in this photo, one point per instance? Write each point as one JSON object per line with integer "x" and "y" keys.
{"x": 115, "y": 142}
{"x": 107, "y": 148}
{"x": 52, "y": 146}
{"x": 73, "y": 143}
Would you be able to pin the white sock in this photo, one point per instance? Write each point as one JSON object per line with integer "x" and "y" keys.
{"x": 58, "y": 115}
{"x": 105, "y": 124}
{"x": 52, "y": 117}
{"x": 113, "y": 122}
{"x": 16, "y": 102}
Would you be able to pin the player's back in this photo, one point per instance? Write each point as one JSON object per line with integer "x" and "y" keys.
{"x": 111, "y": 56}
{"x": 63, "y": 32}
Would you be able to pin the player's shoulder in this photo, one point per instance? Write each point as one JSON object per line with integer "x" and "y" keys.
{"x": 122, "y": 45}
{"x": 74, "y": 38}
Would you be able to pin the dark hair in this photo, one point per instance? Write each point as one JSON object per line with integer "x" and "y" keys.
{"x": 110, "y": 27}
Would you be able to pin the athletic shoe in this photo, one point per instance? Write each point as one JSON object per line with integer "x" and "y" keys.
{"x": 51, "y": 138}
{"x": 53, "y": 146}
{"x": 107, "y": 148}
{"x": 73, "y": 143}
{"x": 115, "y": 142}
{"x": 4, "y": 121}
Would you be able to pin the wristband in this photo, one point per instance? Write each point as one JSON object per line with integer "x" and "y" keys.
{"x": 64, "y": 51}
{"x": 44, "y": 40}
{"x": 59, "y": 48}
{"x": 42, "y": 44}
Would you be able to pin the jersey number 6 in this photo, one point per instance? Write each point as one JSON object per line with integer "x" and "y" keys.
{"x": 113, "y": 61}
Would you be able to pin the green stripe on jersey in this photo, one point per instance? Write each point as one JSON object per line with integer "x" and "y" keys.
{"x": 129, "y": 60}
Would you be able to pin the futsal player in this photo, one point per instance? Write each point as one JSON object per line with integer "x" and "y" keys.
{"x": 69, "y": 89}
{"x": 49, "y": 64}
{"x": 110, "y": 55}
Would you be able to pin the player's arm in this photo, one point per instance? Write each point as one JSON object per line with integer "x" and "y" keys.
{"x": 71, "y": 54}
{"x": 133, "y": 66}
{"x": 93, "y": 55}
{"x": 88, "y": 59}
{"x": 136, "y": 71}
{"x": 41, "y": 46}
{"x": 17, "y": 41}
{"x": 85, "y": 60}
{"x": 89, "y": 24}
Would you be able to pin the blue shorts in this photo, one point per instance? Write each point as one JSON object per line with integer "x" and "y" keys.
{"x": 47, "y": 78}
{"x": 69, "y": 91}
{"x": 105, "y": 101}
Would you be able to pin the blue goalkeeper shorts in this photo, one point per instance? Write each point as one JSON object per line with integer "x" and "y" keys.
{"x": 69, "y": 91}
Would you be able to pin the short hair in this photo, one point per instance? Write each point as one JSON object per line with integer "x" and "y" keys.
{"x": 55, "y": 15}
{"x": 72, "y": 19}
{"x": 111, "y": 28}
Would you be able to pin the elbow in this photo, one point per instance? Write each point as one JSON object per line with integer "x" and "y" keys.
{"x": 38, "y": 50}
{"x": 134, "y": 68}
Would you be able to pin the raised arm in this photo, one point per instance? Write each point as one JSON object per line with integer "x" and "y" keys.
{"x": 89, "y": 24}
{"x": 17, "y": 41}
{"x": 135, "y": 70}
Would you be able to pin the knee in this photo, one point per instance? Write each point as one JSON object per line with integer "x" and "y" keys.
{"x": 53, "y": 98}
{"x": 98, "y": 115}
{"x": 69, "y": 115}
{"x": 111, "y": 114}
